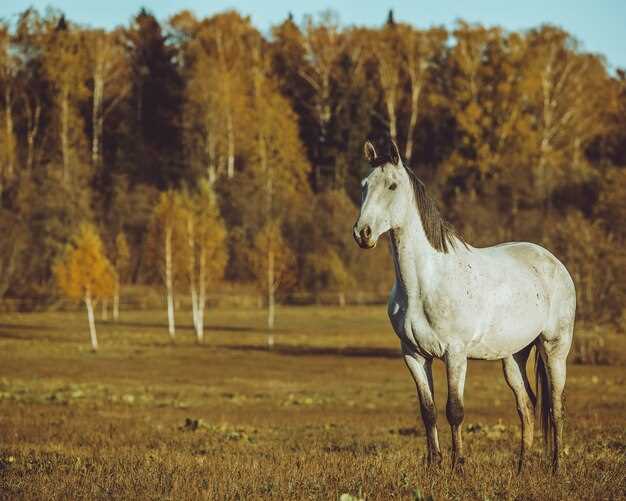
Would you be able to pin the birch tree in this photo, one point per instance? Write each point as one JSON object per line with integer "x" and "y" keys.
{"x": 122, "y": 268}
{"x": 280, "y": 180}
{"x": 215, "y": 99}
{"x": 110, "y": 78}
{"x": 167, "y": 248}
{"x": 273, "y": 265}
{"x": 206, "y": 254}
{"x": 569, "y": 97}
{"x": 84, "y": 273}
{"x": 418, "y": 53}
{"x": 64, "y": 66}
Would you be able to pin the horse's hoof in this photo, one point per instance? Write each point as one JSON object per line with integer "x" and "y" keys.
{"x": 458, "y": 465}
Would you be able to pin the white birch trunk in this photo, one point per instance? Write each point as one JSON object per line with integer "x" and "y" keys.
{"x": 201, "y": 297}
{"x": 416, "y": 89}
{"x": 169, "y": 285}
{"x": 191, "y": 270}
{"x": 210, "y": 152}
{"x": 98, "y": 96}
{"x": 92, "y": 322}
{"x": 116, "y": 300}
{"x": 391, "y": 112}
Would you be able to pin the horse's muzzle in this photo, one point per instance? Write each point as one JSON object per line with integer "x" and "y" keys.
{"x": 363, "y": 237}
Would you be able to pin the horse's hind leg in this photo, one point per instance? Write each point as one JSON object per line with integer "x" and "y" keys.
{"x": 515, "y": 375}
{"x": 554, "y": 346}
{"x": 555, "y": 351}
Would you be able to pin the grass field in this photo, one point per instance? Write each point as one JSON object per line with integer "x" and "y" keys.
{"x": 331, "y": 410}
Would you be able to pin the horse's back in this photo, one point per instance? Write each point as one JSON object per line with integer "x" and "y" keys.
{"x": 557, "y": 280}
{"x": 540, "y": 261}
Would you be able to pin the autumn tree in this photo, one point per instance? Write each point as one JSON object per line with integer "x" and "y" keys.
{"x": 166, "y": 247}
{"x": 273, "y": 265}
{"x": 121, "y": 263}
{"x": 109, "y": 75}
{"x": 569, "y": 98}
{"x": 206, "y": 253}
{"x": 8, "y": 86}
{"x": 217, "y": 66}
{"x": 331, "y": 247}
{"x": 280, "y": 175}
{"x": 64, "y": 66}
{"x": 84, "y": 273}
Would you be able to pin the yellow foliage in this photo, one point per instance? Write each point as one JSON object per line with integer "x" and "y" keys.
{"x": 122, "y": 254}
{"x": 210, "y": 234}
{"x": 168, "y": 217}
{"x": 271, "y": 241}
{"x": 84, "y": 270}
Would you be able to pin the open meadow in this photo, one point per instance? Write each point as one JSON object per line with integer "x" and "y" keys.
{"x": 330, "y": 410}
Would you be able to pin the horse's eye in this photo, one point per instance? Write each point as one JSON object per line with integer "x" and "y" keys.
{"x": 393, "y": 186}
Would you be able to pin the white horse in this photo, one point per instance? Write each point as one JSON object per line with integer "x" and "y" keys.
{"x": 456, "y": 302}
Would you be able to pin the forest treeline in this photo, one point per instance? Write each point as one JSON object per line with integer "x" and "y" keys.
{"x": 145, "y": 131}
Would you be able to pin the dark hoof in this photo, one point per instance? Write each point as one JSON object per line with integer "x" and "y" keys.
{"x": 434, "y": 460}
{"x": 458, "y": 465}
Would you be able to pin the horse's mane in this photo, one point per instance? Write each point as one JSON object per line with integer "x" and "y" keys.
{"x": 439, "y": 232}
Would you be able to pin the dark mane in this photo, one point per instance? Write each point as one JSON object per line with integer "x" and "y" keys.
{"x": 439, "y": 232}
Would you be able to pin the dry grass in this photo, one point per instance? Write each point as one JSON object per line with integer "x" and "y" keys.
{"x": 331, "y": 410}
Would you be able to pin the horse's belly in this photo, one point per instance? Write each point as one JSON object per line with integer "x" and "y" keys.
{"x": 509, "y": 326}
{"x": 493, "y": 324}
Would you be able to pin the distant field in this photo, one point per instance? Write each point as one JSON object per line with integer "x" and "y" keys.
{"x": 330, "y": 410}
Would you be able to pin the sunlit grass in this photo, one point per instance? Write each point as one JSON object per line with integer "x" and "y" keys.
{"x": 330, "y": 411}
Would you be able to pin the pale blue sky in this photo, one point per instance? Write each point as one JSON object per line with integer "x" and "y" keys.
{"x": 600, "y": 25}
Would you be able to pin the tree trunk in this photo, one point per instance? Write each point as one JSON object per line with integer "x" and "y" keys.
{"x": 97, "y": 125}
{"x": 191, "y": 270}
{"x": 116, "y": 300}
{"x": 270, "y": 296}
{"x": 105, "y": 309}
{"x": 33, "y": 117}
{"x": 201, "y": 297}
{"x": 92, "y": 322}
{"x": 65, "y": 127}
{"x": 342, "y": 299}
{"x": 390, "y": 102}
{"x": 169, "y": 285}
{"x": 231, "y": 145}
{"x": 210, "y": 149}
{"x": 416, "y": 89}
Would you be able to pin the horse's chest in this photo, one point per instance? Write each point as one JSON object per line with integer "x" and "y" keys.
{"x": 413, "y": 328}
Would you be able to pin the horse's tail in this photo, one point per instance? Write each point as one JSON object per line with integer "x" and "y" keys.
{"x": 544, "y": 402}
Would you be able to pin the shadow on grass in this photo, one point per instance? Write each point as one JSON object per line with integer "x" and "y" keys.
{"x": 183, "y": 327}
{"x": 348, "y": 351}
{"x": 27, "y": 327}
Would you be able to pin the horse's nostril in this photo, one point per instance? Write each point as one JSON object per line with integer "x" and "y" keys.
{"x": 366, "y": 232}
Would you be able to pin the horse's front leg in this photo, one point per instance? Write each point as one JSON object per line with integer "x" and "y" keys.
{"x": 456, "y": 366}
{"x": 421, "y": 370}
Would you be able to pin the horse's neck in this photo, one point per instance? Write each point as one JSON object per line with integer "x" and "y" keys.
{"x": 415, "y": 260}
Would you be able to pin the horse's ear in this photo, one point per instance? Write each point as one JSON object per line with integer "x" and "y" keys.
{"x": 394, "y": 154}
{"x": 369, "y": 152}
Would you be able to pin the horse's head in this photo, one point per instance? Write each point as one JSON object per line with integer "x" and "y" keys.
{"x": 386, "y": 194}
